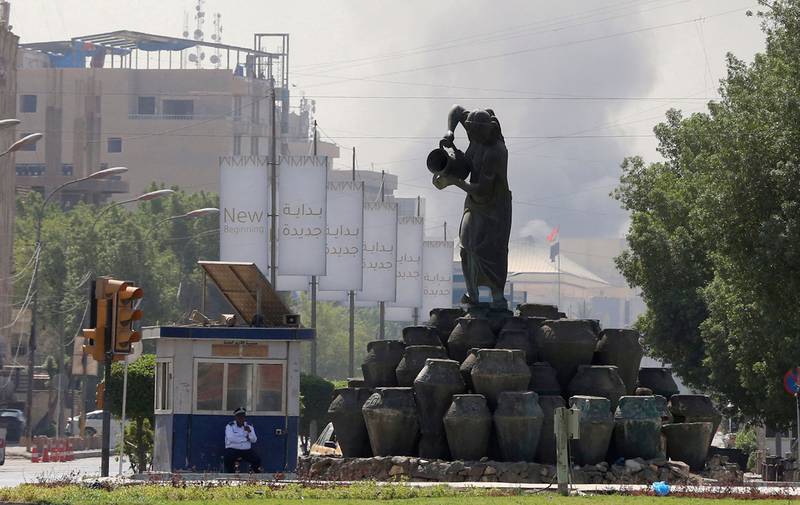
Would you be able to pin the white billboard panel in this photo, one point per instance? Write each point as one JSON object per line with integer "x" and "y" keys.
{"x": 437, "y": 276}
{"x": 380, "y": 252}
{"x": 302, "y": 193}
{"x": 244, "y": 210}
{"x": 410, "y": 233}
{"x": 345, "y": 237}
{"x": 399, "y": 314}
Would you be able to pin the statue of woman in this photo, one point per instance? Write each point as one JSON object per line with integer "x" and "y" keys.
{"x": 486, "y": 222}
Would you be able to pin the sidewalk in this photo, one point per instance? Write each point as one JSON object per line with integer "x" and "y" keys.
{"x": 19, "y": 452}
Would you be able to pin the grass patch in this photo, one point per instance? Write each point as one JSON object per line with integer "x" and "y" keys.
{"x": 357, "y": 494}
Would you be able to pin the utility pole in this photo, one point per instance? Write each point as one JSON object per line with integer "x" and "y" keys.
{"x": 273, "y": 183}
{"x": 415, "y": 310}
{"x": 105, "y": 453}
{"x": 351, "y": 340}
{"x": 382, "y": 305}
{"x": 314, "y": 292}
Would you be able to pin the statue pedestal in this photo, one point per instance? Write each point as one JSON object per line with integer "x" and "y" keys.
{"x": 485, "y": 310}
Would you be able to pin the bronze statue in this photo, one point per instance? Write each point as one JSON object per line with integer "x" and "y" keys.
{"x": 486, "y": 222}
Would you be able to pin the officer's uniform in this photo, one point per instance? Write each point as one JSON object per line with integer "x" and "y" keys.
{"x": 238, "y": 444}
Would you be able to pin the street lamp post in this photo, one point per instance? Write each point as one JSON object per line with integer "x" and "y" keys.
{"x": 108, "y": 172}
{"x": 24, "y": 141}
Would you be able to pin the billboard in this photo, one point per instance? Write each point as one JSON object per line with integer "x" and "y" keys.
{"x": 345, "y": 237}
{"x": 437, "y": 276}
{"x": 244, "y": 210}
{"x": 410, "y": 233}
{"x": 302, "y": 210}
{"x": 380, "y": 253}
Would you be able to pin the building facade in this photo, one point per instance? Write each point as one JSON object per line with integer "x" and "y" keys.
{"x": 8, "y": 63}
{"x": 105, "y": 101}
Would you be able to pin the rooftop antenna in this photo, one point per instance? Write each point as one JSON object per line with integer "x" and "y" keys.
{"x": 198, "y": 55}
{"x": 216, "y": 37}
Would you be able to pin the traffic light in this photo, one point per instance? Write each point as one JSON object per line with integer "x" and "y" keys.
{"x": 95, "y": 335}
{"x": 124, "y": 314}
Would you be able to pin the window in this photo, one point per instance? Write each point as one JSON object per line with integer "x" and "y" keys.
{"x": 255, "y": 111}
{"x": 31, "y": 169}
{"x": 239, "y": 384}
{"x": 114, "y": 145}
{"x": 237, "y": 145}
{"x": 237, "y": 107}
{"x": 210, "y": 377}
{"x": 147, "y": 105}
{"x": 27, "y": 103}
{"x": 163, "y": 385}
{"x": 269, "y": 387}
{"x": 254, "y": 146}
{"x": 255, "y": 385}
{"x": 30, "y": 146}
{"x": 178, "y": 109}
{"x": 66, "y": 169}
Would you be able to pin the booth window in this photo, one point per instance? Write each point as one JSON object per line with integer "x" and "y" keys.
{"x": 163, "y": 385}
{"x": 252, "y": 384}
{"x": 210, "y": 377}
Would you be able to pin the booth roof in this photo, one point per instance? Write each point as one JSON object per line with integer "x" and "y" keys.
{"x": 228, "y": 333}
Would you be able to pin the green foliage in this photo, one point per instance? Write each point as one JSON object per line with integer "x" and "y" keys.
{"x": 125, "y": 243}
{"x": 315, "y": 395}
{"x": 746, "y": 441}
{"x": 715, "y": 231}
{"x": 139, "y": 444}
{"x": 138, "y": 407}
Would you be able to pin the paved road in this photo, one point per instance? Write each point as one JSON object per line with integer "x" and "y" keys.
{"x": 19, "y": 471}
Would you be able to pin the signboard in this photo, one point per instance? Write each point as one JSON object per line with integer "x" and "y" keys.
{"x": 380, "y": 252}
{"x": 302, "y": 210}
{"x": 400, "y": 314}
{"x": 244, "y": 210}
{"x": 437, "y": 276}
{"x": 791, "y": 381}
{"x": 345, "y": 237}
{"x": 410, "y": 233}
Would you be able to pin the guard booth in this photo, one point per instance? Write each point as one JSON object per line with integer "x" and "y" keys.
{"x": 205, "y": 371}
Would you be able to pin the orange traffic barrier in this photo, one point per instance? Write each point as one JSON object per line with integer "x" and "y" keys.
{"x": 35, "y": 456}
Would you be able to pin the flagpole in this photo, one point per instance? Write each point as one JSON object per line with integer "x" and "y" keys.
{"x": 382, "y": 305}
{"x": 351, "y": 341}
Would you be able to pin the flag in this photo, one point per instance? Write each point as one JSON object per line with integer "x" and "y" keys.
{"x": 553, "y": 234}
{"x": 554, "y": 250}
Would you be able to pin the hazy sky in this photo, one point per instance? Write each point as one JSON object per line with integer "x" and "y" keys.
{"x": 600, "y": 72}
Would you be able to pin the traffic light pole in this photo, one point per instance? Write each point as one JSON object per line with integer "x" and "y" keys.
{"x": 105, "y": 453}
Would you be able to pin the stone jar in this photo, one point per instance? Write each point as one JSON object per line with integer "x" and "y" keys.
{"x": 688, "y": 442}
{"x": 382, "y": 359}
{"x": 596, "y": 428}
{"x": 566, "y": 344}
{"x": 663, "y": 407}
{"x": 538, "y": 310}
{"x": 498, "y": 370}
{"x": 443, "y": 320}
{"x": 348, "y": 421}
{"x": 637, "y": 428}
{"x": 391, "y": 418}
{"x": 414, "y": 360}
{"x": 434, "y": 388}
{"x": 695, "y": 409}
{"x": 598, "y": 380}
{"x": 522, "y": 340}
{"x": 622, "y": 349}
{"x": 468, "y": 424}
{"x": 546, "y": 451}
{"x": 543, "y": 379}
{"x": 420, "y": 335}
{"x": 659, "y": 380}
{"x": 466, "y": 367}
{"x": 518, "y": 425}
{"x": 469, "y": 332}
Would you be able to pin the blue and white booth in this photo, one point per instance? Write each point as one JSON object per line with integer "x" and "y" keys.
{"x": 204, "y": 372}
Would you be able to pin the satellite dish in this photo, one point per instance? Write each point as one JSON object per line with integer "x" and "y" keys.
{"x": 202, "y": 56}
{"x": 193, "y": 58}
{"x": 197, "y": 7}
{"x": 198, "y": 34}
{"x": 214, "y": 59}
{"x": 185, "y": 34}
{"x": 214, "y": 36}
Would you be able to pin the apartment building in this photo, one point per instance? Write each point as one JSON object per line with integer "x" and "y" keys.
{"x": 140, "y": 100}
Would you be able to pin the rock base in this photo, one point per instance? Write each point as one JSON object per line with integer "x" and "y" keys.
{"x": 403, "y": 468}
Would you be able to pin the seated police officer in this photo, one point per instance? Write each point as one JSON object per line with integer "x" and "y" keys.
{"x": 239, "y": 437}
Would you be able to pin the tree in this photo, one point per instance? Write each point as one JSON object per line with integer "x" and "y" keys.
{"x": 715, "y": 230}
{"x": 138, "y": 407}
{"x": 315, "y": 396}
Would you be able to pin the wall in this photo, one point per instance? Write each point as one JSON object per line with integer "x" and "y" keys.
{"x": 8, "y": 52}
